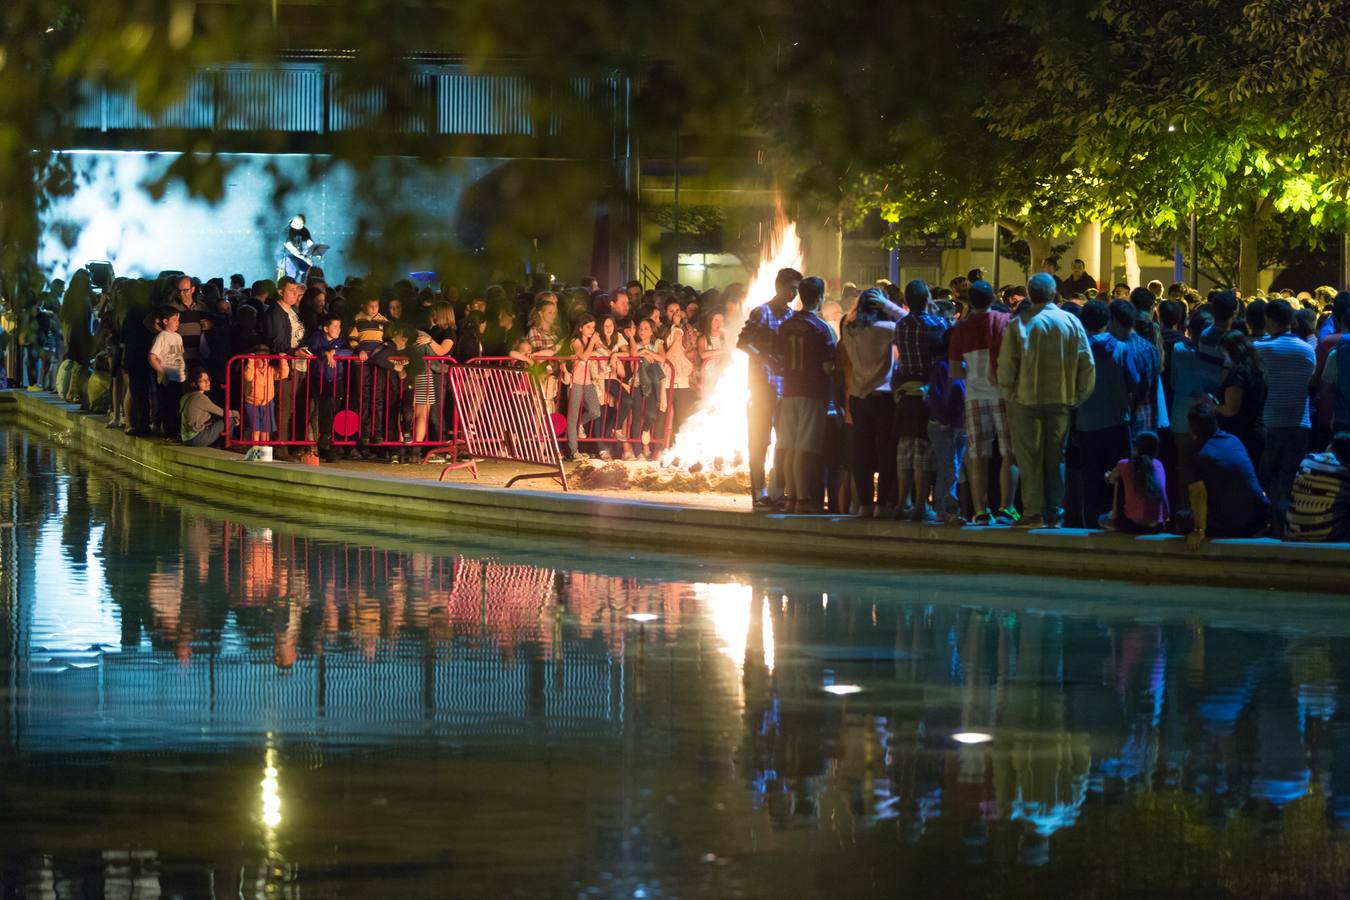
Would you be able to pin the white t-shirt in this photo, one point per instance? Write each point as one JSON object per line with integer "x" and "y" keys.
{"x": 168, "y": 346}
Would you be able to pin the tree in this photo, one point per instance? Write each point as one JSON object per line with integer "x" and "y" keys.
{"x": 1127, "y": 112}
{"x": 1288, "y": 238}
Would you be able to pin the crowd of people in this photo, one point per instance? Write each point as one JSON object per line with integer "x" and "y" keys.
{"x": 1055, "y": 403}
{"x": 1140, "y": 410}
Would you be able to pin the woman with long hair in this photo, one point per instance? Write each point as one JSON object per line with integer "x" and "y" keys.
{"x": 1242, "y": 394}
{"x": 585, "y": 344}
{"x": 867, "y": 355}
{"x": 1141, "y": 483}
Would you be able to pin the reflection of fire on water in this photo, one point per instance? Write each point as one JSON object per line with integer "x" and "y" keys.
{"x": 716, "y": 435}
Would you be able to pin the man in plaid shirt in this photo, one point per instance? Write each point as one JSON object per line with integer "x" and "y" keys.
{"x": 918, "y": 341}
{"x": 759, "y": 339}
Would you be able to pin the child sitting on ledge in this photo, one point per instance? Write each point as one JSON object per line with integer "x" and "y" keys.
{"x": 203, "y": 423}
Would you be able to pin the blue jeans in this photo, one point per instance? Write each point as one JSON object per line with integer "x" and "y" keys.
{"x": 1284, "y": 451}
{"x": 579, "y": 396}
{"x": 949, "y": 449}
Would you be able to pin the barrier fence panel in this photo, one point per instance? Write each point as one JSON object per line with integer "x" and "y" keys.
{"x": 630, "y": 409}
{"x": 503, "y": 415}
{"x": 347, "y": 401}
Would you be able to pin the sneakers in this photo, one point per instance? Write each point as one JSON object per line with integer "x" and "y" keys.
{"x": 1028, "y": 522}
{"x": 1007, "y": 516}
{"x": 923, "y": 515}
{"x": 764, "y": 504}
{"x": 253, "y": 454}
{"x": 984, "y": 518}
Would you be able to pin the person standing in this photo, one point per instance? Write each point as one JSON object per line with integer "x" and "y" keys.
{"x": 1079, "y": 281}
{"x": 918, "y": 341}
{"x": 974, "y": 348}
{"x": 166, "y": 358}
{"x": 806, "y": 348}
{"x": 284, "y": 334}
{"x": 1101, "y": 432}
{"x": 759, "y": 339}
{"x": 1045, "y": 369}
{"x": 1289, "y": 364}
{"x": 192, "y": 320}
{"x": 867, "y": 340}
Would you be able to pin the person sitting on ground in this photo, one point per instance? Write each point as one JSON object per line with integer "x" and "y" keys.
{"x": 1319, "y": 506}
{"x": 1225, "y": 498}
{"x": 203, "y": 423}
{"x": 1142, "y": 484}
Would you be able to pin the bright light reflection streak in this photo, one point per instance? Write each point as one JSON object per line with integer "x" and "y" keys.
{"x": 972, "y": 737}
{"x": 766, "y": 625}
{"x": 728, "y": 606}
{"x": 643, "y": 618}
{"x": 843, "y": 690}
{"x": 271, "y": 792}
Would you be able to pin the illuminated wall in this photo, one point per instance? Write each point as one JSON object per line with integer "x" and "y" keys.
{"x": 143, "y": 236}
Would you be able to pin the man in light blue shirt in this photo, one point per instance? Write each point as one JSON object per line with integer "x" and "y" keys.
{"x": 1289, "y": 364}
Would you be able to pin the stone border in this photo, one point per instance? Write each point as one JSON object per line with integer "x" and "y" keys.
{"x": 1256, "y": 563}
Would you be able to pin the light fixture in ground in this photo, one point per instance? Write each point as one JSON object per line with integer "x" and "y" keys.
{"x": 972, "y": 737}
{"x": 843, "y": 690}
{"x": 643, "y": 618}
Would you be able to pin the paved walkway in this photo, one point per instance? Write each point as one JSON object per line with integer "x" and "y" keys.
{"x": 385, "y": 495}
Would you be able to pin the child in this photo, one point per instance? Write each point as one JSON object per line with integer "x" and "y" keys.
{"x": 522, "y": 351}
{"x": 1144, "y": 483}
{"x": 367, "y": 338}
{"x": 650, "y": 377}
{"x": 946, "y": 400}
{"x": 260, "y": 395}
{"x": 166, "y": 358}
{"x": 327, "y": 345}
{"x": 203, "y": 423}
{"x": 582, "y": 394}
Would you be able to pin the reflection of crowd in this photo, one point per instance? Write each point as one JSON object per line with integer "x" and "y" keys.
{"x": 1070, "y": 709}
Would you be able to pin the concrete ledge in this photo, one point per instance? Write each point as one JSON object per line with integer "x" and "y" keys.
{"x": 390, "y": 500}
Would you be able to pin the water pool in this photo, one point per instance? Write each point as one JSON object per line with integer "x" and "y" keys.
{"x": 201, "y": 700}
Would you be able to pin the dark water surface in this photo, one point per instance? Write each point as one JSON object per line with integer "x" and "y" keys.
{"x": 199, "y": 701}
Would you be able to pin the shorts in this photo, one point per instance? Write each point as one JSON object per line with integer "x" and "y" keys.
{"x": 261, "y": 416}
{"x": 985, "y": 421}
{"x": 801, "y": 424}
{"x": 915, "y": 454}
{"x": 911, "y": 417}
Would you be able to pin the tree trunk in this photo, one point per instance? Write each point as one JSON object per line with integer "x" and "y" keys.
{"x": 1132, "y": 275}
{"x": 1249, "y": 268}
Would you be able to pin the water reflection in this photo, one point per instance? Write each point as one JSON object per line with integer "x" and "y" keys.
{"x": 256, "y": 707}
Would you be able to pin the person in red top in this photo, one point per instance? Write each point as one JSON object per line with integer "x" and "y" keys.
{"x": 974, "y": 349}
{"x": 806, "y": 350}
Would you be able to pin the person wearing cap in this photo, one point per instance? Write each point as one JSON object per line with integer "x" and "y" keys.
{"x": 973, "y": 354}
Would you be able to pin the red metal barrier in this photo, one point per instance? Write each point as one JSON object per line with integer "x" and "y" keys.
{"x": 293, "y": 402}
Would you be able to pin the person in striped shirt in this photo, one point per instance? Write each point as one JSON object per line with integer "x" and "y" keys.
{"x": 1319, "y": 505}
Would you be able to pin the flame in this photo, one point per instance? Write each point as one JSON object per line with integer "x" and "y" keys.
{"x": 717, "y": 434}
